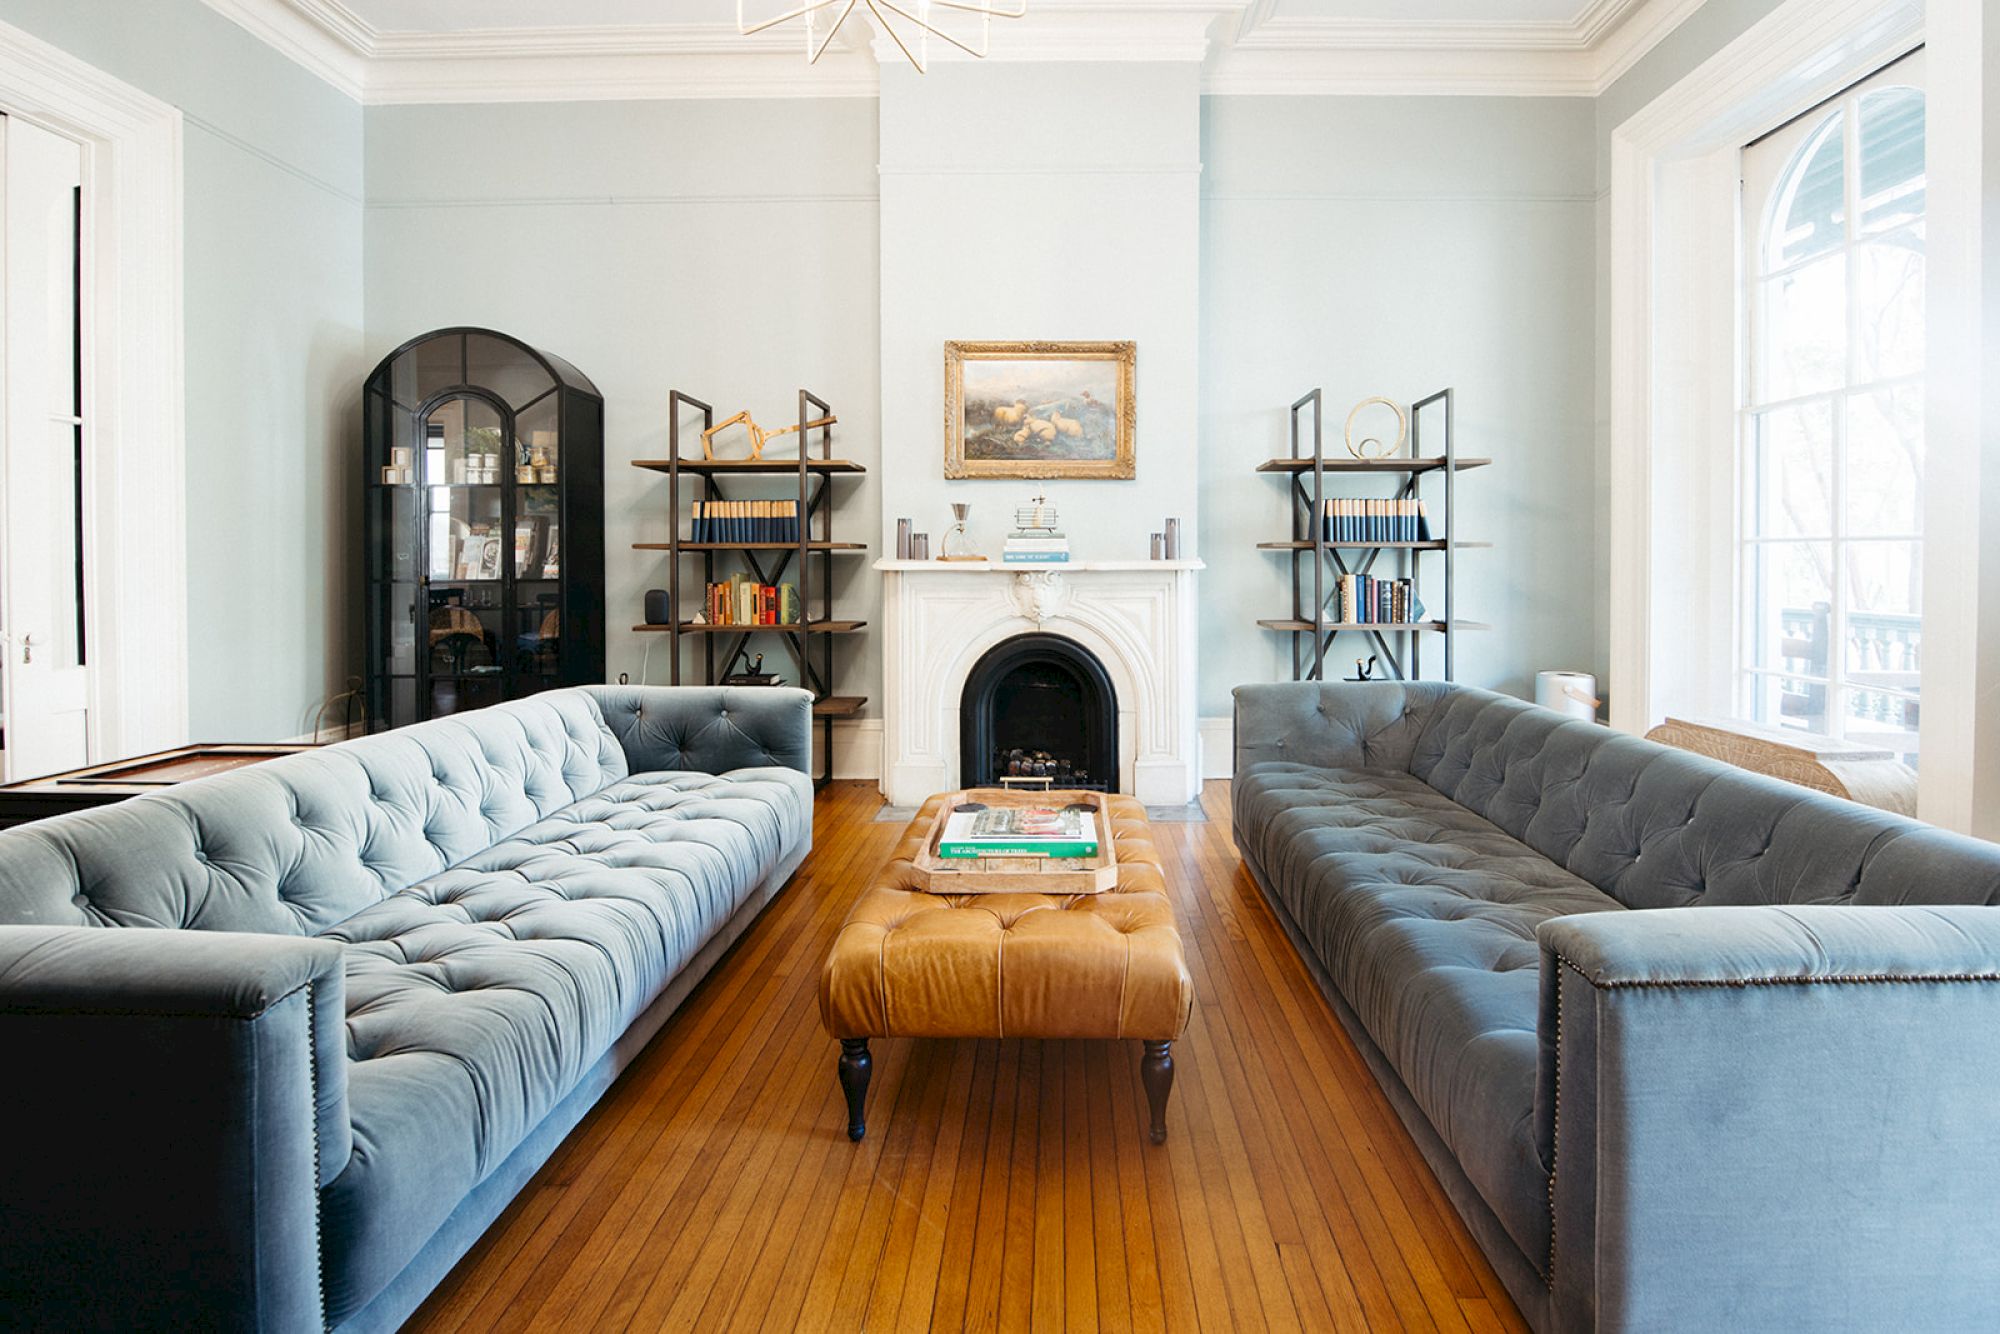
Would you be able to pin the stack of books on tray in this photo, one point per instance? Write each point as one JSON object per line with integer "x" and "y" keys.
{"x": 1020, "y": 831}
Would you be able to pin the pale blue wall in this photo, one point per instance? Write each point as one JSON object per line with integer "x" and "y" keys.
{"x": 724, "y": 248}
{"x": 1397, "y": 246}
{"x": 1042, "y": 202}
{"x": 272, "y": 214}
{"x": 742, "y": 248}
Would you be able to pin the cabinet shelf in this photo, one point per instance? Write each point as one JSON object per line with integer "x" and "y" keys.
{"x": 794, "y": 628}
{"x": 838, "y": 706}
{"x": 748, "y": 546}
{"x": 753, "y": 467}
{"x": 1369, "y": 546}
{"x": 1401, "y": 465}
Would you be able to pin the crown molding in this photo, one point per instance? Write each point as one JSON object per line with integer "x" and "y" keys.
{"x": 1243, "y": 46}
{"x": 1578, "y": 58}
{"x": 321, "y": 35}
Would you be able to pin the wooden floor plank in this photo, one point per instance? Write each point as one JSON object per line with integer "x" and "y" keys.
{"x": 1002, "y": 1185}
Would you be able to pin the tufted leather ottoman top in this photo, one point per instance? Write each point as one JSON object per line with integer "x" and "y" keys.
{"x": 912, "y": 964}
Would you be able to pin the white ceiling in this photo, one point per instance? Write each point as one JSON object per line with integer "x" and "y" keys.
{"x": 385, "y": 51}
{"x": 419, "y": 16}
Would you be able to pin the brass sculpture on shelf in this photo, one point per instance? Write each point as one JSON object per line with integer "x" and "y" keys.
{"x": 759, "y": 437}
{"x": 1371, "y": 447}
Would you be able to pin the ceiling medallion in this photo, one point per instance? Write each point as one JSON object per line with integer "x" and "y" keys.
{"x": 823, "y": 20}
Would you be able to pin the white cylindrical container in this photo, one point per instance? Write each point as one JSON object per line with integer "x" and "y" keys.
{"x": 1573, "y": 693}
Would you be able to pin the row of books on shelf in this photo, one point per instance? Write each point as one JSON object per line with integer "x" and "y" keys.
{"x": 1360, "y": 599}
{"x": 742, "y": 601}
{"x": 1042, "y": 548}
{"x": 746, "y": 521}
{"x": 1351, "y": 520}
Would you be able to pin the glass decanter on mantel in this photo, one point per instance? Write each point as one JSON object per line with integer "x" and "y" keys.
{"x": 957, "y": 543}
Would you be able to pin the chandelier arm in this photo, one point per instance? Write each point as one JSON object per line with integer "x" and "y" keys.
{"x": 812, "y": 56}
{"x": 897, "y": 37}
{"x": 803, "y": 10}
{"x": 987, "y": 10}
{"x": 942, "y": 36}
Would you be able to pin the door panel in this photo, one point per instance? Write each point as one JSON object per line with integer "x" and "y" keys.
{"x": 42, "y": 673}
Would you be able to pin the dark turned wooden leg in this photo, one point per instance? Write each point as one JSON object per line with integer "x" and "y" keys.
{"x": 855, "y": 1066}
{"x": 1157, "y": 1070}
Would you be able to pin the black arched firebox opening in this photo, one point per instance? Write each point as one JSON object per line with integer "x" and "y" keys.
{"x": 1039, "y": 705}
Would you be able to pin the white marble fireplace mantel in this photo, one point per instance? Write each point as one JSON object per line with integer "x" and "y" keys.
{"x": 1137, "y": 617}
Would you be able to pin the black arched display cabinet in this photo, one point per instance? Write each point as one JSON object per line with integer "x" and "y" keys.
{"x": 484, "y": 525}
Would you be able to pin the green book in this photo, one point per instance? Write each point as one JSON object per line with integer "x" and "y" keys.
{"x": 1019, "y": 832}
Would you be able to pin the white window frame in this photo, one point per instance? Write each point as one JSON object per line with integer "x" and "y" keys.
{"x": 1676, "y": 341}
{"x": 1756, "y": 205}
{"x": 135, "y": 516}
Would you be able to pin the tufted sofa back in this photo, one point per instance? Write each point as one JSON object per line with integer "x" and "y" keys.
{"x": 1651, "y": 826}
{"x": 1656, "y": 827}
{"x": 295, "y": 845}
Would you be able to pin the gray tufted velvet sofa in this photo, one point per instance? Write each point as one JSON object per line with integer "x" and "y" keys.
{"x": 384, "y": 980}
{"x": 1689, "y": 1048}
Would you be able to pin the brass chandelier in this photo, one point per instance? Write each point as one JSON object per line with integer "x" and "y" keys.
{"x": 907, "y": 23}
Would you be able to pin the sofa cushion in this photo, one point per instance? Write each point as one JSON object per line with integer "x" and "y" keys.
{"x": 478, "y": 998}
{"x": 1424, "y": 915}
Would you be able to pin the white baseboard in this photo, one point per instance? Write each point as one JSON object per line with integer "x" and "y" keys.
{"x": 1218, "y": 747}
{"x": 857, "y": 749}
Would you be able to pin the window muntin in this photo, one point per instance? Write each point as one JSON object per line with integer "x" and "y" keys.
{"x": 1830, "y": 555}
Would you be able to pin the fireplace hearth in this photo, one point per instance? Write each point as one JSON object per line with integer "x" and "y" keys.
{"x": 1039, "y": 707}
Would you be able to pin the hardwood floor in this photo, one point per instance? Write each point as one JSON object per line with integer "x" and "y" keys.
{"x": 1002, "y": 1185}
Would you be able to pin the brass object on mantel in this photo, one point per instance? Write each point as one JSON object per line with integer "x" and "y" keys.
{"x": 1871, "y": 775}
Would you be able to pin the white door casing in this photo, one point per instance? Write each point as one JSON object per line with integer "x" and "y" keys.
{"x": 43, "y": 680}
{"x": 135, "y": 501}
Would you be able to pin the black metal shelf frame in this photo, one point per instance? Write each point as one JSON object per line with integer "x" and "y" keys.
{"x": 812, "y": 653}
{"x": 1307, "y": 489}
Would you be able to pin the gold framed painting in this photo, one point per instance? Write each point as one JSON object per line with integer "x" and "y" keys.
{"x": 1039, "y": 410}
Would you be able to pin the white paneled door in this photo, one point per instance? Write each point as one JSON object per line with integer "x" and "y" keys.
{"x": 44, "y": 680}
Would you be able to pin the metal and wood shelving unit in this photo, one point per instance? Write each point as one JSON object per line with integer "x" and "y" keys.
{"x": 810, "y": 641}
{"x": 1318, "y": 564}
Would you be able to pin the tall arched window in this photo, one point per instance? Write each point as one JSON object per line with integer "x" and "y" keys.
{"x": 1830, "y": 556}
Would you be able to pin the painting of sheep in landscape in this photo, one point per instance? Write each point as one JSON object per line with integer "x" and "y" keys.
{"x": 1038, "y": 409}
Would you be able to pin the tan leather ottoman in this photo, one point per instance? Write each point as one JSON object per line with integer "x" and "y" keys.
{"x": 911, "y": 964}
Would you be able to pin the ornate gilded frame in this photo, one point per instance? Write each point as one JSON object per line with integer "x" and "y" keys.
{"x": 956, "y": 354}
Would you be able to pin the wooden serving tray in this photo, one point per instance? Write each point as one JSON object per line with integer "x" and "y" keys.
{"x": 1018, "y": 875}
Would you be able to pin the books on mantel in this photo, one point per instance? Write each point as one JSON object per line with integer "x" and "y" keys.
{"x": 742, "y": 601}
{"x": 1364, "y": 521}
{"x": 1041, "y": 548}
{"x": 745, "y": 521}
{"x": 1361, "y": 600}
{"x": 1020, "y": 831}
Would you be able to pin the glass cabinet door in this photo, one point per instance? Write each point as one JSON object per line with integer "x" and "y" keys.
{"x": 466, "y": 448}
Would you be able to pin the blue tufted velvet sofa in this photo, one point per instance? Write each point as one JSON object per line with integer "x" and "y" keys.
{"x": 384, "y": 980}
{"x": 1689, "y": 1048}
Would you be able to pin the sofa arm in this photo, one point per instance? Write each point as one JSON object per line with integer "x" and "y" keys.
{"x": 1773, "y": 1117}
{"x": 174, "y": 1101}
{"x": 1341, "y": 725}
{"x": 709, "y": 729}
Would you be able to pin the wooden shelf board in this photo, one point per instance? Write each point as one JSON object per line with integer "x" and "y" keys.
{"x": 813, "y": 628}
{"x": 1400, "y": 465}
{"x": 1305, "y": 627}
{"x": 752, "y": 546}
{"x": 838, "y": 706}
{"x": 752, "y": 467}
{"x": 1365, "y": 546}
